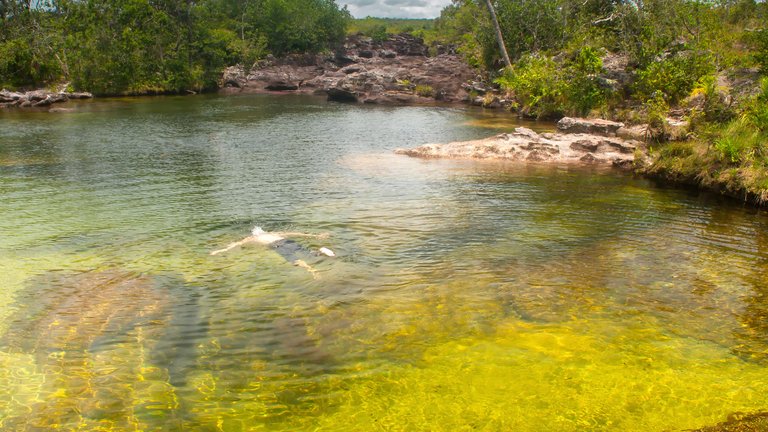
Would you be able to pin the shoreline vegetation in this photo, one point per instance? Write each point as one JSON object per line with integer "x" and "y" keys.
{"x": 692, "y": 75}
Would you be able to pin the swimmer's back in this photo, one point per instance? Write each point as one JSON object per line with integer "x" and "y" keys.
{"x": 267, "y": 238}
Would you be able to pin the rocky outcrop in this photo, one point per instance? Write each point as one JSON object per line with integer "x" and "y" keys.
{"x": 526, "y": 145}
{"x": 37, "y": 98}
{"x": 602, "y": 127}
{"x": 395, "y": 71}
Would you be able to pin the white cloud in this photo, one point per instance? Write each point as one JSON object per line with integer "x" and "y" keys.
{"x": 395, "y": 8}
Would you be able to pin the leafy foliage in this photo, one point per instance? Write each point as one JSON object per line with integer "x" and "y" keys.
{"x": 669, "y": 45}
{"x": 537, "y": 84}
{"x": 424, "y": 91}
{"x": 143, "y": 46}
{"x": 584, "y": 90}
{"x": 546, "y": 88}
{"x": 675, "y": 76}
{"x": 760, "y": 42}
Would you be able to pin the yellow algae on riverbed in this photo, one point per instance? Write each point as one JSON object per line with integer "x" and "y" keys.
{"x": 565, "y": 377}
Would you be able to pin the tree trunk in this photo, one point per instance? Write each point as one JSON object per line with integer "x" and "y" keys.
{"x": 499, "y": 36}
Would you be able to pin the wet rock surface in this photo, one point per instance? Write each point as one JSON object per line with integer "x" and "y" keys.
{"x": 37, "y": 98}
{"x": 396, "y": 71}
{"x": 526, "y": 145}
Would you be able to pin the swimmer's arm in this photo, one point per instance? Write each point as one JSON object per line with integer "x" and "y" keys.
{"x": 321, "y": 236}
{"x": 234, "y": 245}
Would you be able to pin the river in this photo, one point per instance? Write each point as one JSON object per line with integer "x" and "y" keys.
{"x": 464, "y": 295}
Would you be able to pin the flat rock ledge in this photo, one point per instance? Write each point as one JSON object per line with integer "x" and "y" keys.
{"x": 37, "y": 98}
{"x": 525, "y": 145}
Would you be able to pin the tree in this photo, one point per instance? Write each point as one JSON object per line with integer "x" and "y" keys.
{"x": 499, "y": 35}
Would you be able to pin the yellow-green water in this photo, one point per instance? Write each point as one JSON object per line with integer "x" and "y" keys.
{"x": 465, "y": 296}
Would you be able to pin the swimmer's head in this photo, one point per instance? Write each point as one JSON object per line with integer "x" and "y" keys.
{"x": 257, "y": 231}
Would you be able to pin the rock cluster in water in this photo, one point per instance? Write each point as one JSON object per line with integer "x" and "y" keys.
{"x": 578, "y": 141}
{"x": 37, "y": 98}
{"x": 395, "y": 71}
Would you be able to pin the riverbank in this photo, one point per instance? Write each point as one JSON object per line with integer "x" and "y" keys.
{"x": 695, "y": 164}
{"x": 582, "y": 141}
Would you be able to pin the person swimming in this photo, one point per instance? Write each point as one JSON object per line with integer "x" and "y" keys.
{"x": 289, "y": 249}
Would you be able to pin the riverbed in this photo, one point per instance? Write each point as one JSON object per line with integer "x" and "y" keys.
{"x": 465, "y": 295}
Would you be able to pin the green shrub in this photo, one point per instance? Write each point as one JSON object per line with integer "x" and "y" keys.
{"x": 677, "y": 150}
{"x": 537, "y": 84}
{"x": 656, "y": 115}
{"x": 757, "y": 112}
{"x": 424, "y": 91}
{"x": 378, "y": 33}
{"x": 674, "y": 77}
{"x": 760, "y": 44}
{"x": 583, "y": 90}
{"x": 405, "y": 84}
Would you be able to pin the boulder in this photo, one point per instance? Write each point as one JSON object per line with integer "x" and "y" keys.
{"x": 234, "y": 76}
{"x": 339, "y": 94}
{"x": 36, "y": 95}
{"x": 584, "y": 145}
{"x": 43, "y": 103}
{"x": 573, "y": 125}
{"x": 352, "y": 69}
{"x": 589, "y": 158}
{"x": 343, "y": 59}
{"x": 79, "y": 95}
{"x": 637, "y": 132}
{"x": 281, "y": 85}
{"x": 9, "y": 96}
{"x": 58, "y": 97}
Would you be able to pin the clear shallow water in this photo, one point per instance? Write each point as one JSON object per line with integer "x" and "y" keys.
{"x": 465, "y": 296}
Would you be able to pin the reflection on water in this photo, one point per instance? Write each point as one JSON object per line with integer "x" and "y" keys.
{"x": 465, "y": 295}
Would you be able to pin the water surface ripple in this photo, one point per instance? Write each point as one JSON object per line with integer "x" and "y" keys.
{"x": 465, "y": 295}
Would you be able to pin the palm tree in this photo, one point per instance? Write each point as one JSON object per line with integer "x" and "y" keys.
{"x": 499, "y": 36}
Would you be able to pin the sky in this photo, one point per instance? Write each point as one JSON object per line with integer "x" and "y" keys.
{"x": 395, "y": 8}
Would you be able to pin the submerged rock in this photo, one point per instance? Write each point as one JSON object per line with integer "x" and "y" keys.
{"x": 63, "y": 311}
{"x": 74, "y": 314}
{"x": 526, "y": 145}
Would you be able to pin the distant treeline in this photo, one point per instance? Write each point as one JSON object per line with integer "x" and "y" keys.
{"x": 380, "y": 28}
{"x": 146, "y": 46}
